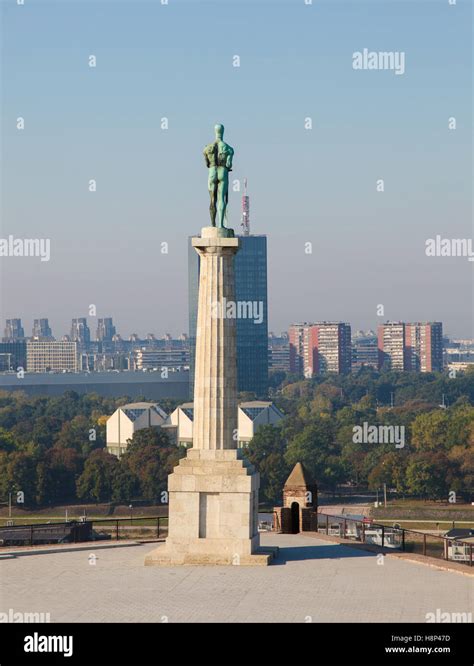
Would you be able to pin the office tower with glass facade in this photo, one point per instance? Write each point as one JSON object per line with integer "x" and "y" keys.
{"x": 14, "y": 331}
{"x": 80, "y": 331}
{"x": 251, "y": 313}
{"x": 12, "y": 356}
{"x": 105, "y": 329}
{"x": 278, "y": 353}
{"x": 41, "y": 329}
{"x": 365, "y": 353}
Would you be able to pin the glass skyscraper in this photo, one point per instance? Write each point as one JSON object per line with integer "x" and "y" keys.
{"x": 252, "y": 332}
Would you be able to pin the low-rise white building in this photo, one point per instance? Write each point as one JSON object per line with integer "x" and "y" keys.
{"x": 460, "y": 366}
{"x": 254, "y": 414}
{"x": 179, "y": 424}
{"x": 251, "y": 416}
{"x": 126, "y": 420}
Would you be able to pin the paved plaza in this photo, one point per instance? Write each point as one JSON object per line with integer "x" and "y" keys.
{"x": 311, "y": 580}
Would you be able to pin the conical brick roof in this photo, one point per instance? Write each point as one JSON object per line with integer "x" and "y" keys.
{"x": 299, "y": 477}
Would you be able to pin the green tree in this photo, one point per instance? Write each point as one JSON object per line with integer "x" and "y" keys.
{"x": 460, "y": 425}
{"x": 150, "y": 457}
{"x": 461, "y": 474}
{"x": 426, "y": 476}
{"x": 7, "y": 442}
{"x": 428, "y": 431}
{"x": 75, "y": 434}
{"x": 96, "y": 481}
{"x": 316, "y": 449}
{"x": 21, "y": 475}
{"x": 391, "y": 469}
{"x": 267, "y": 452}
{"x": 57, "y": 475}
{"x": 125, "y": 485}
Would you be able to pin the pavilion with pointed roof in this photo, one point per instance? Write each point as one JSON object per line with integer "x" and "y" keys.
{"x": 300, "y": 502}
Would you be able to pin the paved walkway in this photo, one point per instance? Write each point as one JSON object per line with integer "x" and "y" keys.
{"x": 312, "y": 580}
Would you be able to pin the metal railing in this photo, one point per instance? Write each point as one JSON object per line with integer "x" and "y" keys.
{"x": 406, "y": 540}
{"x": 75, "y": 531}
{"x": 139, "y": 527}
{"x": 399, "y": 538}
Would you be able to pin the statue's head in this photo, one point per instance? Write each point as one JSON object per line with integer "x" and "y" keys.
{"x": 219, "y": 130}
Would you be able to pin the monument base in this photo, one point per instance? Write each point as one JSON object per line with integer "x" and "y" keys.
{"x": 163, "y": 557}
{"x": 213, "y": 512}
{"x": 217, "y": 232}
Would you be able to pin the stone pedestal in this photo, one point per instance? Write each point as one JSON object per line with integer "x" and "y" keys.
{"x": 213, "y": 505}
{"x": 213, "y": 492}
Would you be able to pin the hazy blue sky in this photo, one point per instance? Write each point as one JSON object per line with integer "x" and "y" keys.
{"x": 315, "y": 186}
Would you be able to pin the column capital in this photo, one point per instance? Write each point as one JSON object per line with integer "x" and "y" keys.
{"x": 209, "y": 244}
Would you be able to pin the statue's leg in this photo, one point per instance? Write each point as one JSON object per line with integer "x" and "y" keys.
{"x": 222, "y": 196}
{"x": 212, "y": 207}
{"x": 212, "y": 185}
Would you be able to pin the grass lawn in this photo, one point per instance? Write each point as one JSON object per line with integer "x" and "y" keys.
{"x": 428, "y": 504}
{"x": 94, "y": 512}
{"x": 426, "y": 525}
{"x": 420, "y": 511}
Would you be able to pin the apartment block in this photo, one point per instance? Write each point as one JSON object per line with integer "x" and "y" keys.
{"x": 51, "y": 356}
{"x": 424, "y": 347}
{"x": 416, "y": 347}
{"x": 319, "y": 348}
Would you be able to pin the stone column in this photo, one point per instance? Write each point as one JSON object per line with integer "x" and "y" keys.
{"x": 213, "y": 491}
{"x": 215, "y": 385}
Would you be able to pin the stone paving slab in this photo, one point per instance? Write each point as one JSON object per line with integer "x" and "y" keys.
{"x": 311, "y": 580}
{"x": 18, "y": 551}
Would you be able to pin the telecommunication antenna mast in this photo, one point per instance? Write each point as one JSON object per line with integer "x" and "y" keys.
{"x": 245, "y": 223}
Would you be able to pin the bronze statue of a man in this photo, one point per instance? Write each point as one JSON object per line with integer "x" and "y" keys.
{"x": 218, "y": 157}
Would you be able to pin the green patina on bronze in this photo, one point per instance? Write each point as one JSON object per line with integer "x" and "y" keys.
{"x": 218, "y": 157}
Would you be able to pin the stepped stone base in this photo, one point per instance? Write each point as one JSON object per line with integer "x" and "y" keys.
{"x": 162, "y": 557}
{"x": 213, "y": 512}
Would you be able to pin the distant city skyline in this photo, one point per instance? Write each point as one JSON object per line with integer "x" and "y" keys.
{"x": 314, "y": 133}
{"x": 93, "y": 324}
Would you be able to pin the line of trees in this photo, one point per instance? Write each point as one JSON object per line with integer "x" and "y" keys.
{"x": 53, "y": 449}
{"x": 435, "y": 458}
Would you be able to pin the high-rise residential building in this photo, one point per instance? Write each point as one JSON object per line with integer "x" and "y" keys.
{"x": 411, "y": 346}
{"x": 41, "y": 329}
{"x": 424, "y": 346}
{"x": 301, "y": 348}
{"x": 80, "y": 331}
{"x": 391, "y": 345}
{"x": 251, "y": 312}
{"x": 51, "y": 356}
{"x": 105, "y": 329}
{"x": 14, "y": 331}
{"x": 320, "y": 347}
